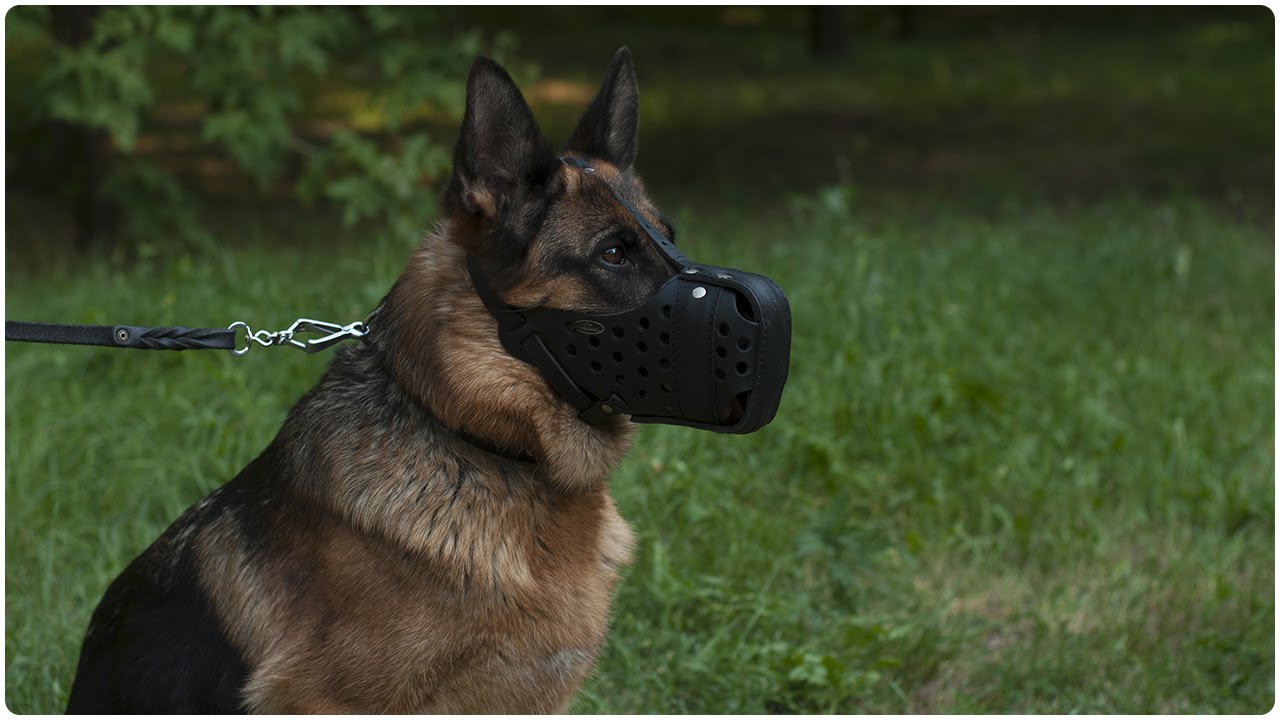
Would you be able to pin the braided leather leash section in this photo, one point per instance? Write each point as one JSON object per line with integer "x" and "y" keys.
{"x": 174, "y": 338}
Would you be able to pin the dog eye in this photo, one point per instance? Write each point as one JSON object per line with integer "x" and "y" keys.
{"x": 614, "y": 255}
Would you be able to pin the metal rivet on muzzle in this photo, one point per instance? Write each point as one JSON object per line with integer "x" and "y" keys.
{"x": 699, "y": 292}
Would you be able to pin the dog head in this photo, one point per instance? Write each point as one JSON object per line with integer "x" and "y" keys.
{"x": 568, "y": 245}
{"x": 545, "y": 233}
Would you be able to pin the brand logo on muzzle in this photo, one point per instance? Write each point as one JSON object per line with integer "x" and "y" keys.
{"x": 586, "y": 327}
{"x": 709, "y": 349}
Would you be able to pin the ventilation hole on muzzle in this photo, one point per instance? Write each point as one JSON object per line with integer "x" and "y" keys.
{"x": 666, "y": 311}
{"x": 617, "y": 357}
{"x": 621, "y": 379}
{"x": 744, "y": 307}
{"x": 665, "y": 364}
{"x": 743, "y": 343}
{"x": 666, "y": 388}
{"x": 721, "y": 352}
{"x": 595, "y": 366}
{"x": 643, "y": 372}
{"x": 742, "y": 368}
{"x": 593, "y": 342}
{"x": 571, "y": 349}
{"x": 664, "y": 338}
{"x": 719, "y": 374}
{"x": 724, "y": 328}
{"x": 617, "y": 332}
{"x": 644, "y": 323}
{"x": 641, "y": 346}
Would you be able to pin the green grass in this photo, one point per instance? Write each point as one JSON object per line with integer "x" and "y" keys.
{"x": 1022, "y": 467}
{"x": 1025, "y": 459}
{"x": 1023, "y": 464}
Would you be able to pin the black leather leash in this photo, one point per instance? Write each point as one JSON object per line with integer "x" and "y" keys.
{"x": 181, "y": 338}
{"x": 128, "y": 336}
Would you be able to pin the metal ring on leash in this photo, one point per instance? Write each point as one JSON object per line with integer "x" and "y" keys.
{"x": 248, "y": 334}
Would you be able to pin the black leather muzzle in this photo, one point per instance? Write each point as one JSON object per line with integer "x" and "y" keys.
{"x": 710, "y": 349}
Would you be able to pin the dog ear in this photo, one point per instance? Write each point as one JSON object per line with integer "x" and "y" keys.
{"x": 610, "y": 128}
{"x": 502, "y": 164}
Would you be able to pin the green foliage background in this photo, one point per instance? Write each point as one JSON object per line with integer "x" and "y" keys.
{"x": 1025, "y": 461}
{"x": 252, "y": 81}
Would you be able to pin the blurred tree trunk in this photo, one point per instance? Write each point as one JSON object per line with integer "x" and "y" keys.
{"x": 86, "y": 152}
{"x": 904, "y": 22}
{"x": 827, "y": 37}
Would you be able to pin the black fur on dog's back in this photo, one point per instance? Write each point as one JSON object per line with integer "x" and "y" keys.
{"x": 154, "y": 644}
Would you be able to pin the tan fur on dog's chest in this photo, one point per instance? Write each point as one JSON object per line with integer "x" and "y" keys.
{"x": 342, "y": 619}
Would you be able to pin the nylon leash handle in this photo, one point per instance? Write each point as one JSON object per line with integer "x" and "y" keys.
{"x": 122, "y": 336}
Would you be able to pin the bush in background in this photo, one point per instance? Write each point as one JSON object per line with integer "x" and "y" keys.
{"x": 118, "y": 112}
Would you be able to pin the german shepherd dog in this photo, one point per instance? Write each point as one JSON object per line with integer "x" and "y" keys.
{"x": 431, "y": 530}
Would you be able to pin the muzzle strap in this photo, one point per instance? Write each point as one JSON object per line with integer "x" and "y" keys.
{"x": 522, "y": 341}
